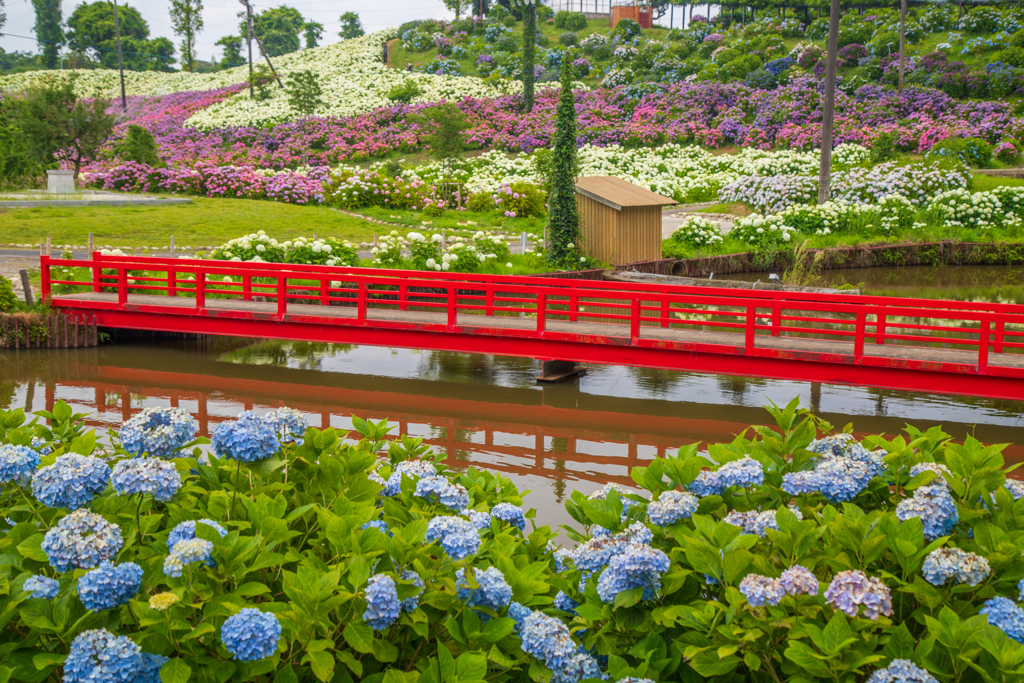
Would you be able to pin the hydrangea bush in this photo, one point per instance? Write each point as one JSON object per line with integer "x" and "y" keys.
{"x": 790, "y": 554}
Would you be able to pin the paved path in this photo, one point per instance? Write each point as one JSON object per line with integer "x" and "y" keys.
{"x": 30, "y": 199}
{"x": 673, "y": 217}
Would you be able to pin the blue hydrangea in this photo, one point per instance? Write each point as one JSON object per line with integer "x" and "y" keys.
{"x": 186, "y": 552}
{"x": 953, "y": 564}
{"x": 287, "y": 423}
{"x": 518, "y": 612}
{"x": 99, "y": 656}
{"x": 838, "y": 479}
{"x": 671, "y": 506}
{"x": 562, "y": 558}
{"x": 42, "y": 587}
{"x": 158, "y": 432}
{"x": 81, "y": 541}
{"x": 602, "y": 494}
{"x": 414, "y": 469}
{"x": 493, "y": 591}
{"x": 157, "y": 477}
{"x": 410, "y": 604}
{"x": 598, "y": 551}
{"x": 109, "y": 586}
{"x": 39, "y": 444}
{"x": 378, "y": 524}
{"x": 507, "y": 512}
{"x": 1005, "y": 615}
{"x": 382, "y": 603}
{"x": 565, "y": 603}
{"x": 445, "y": 492}
{"x": 934, "y": 506}
{"x": 186, "y": 531}
{"x": 149, "y": 670}
{"x": 846, "y": 446}
{"x": 17, "y": 463}
{"x": 744, "y": 520}
{"x": 481, "y": 520}
{"x": 581, "y": 667}
{"x": 761, "y": 590}
{"x": 1016, "y": 488}
{"x": 707, "y": 483}
{"x": 766, "y": 520}
{"x": 852, "y": 589}
{"x": 251, "y": 635}
{"x": 70, "y": 482}
{"x": 247, "y": 439}
{"x": 799, "y": 580}
{"x": 638, "y": 566}
{"x": 935, "y": 467}
{"x": 743, "y": 472}
{"x": 457, "y": 536}
{"x": 1020, "y": 590}
{"x": 901, "y": 671}
{"x": 547, "y": 639}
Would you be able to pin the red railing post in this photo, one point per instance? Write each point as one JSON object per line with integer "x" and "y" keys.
{"x": 247, "y": 287}
{"x": 324, "y": 283}
{"x": 282, "y": 297}
{"x": 1000, "y": 329}
{"x": 983, "y": 343}
{"x": 453, "y": 316}
{"x": 542, "y": 306}
{"x": 748, "y": 342}
{"x": 880, "y": 328}
{"x": 776, "y": 318}
{"x": 361, "y": 302}
{"x": 634, "y": 321}
{"x": 97, "y": 272}
{"x": 490, "y": 300}
{"x": 122, "y": 286}
{"x": 402, "y": 297}
{"x": 172, "y": 283}
{"x": 858, "y": 337}
{"x": 574, "y": 304}
{"x": 44, "y": 276}
{"x": 664, "y": 312}
{"x": 200, "y": 291}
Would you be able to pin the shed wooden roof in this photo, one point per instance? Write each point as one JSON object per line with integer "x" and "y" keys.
{"x": 618, "y": 193}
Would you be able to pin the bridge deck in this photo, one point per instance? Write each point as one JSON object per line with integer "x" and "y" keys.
{"x": 609, "y": 332}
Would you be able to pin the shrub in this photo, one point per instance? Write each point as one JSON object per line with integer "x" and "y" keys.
{"x": 1013, "y": 56}
{"x": 739, "y": 68}
{"x": 981, "y": 20}
{"x": 521, "y": 200}
{"x": 570, "y": 21}
{"x": 626, "y": 30}
{"x": 852, "y": 53}
{"x": 809, "y": 56}
{"x": 304, "y": 92}
{"x": 405, "y": 92}
{"x": 1007, "y": 153}
{"x": 568, "y": 39}
{"x": 761, "y": 79}
{"x": 973, "y": 151}
{"x": 696, "y": 232}
{"x": 138, "y": 145}
{"x": 883, "y": 147}
{"x": 8, "y": 300}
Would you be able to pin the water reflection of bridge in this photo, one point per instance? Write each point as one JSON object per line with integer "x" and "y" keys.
{"x": 557, "y": 432}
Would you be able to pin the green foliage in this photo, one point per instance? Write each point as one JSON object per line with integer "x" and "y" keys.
{"x": 278, "y": 28}
{"x": 304, "y": 92}
{"x": 447, "y": 122}
{"x": 187, "y": 21}
{"x": 48, "y": 31}
{"x": 973, "y": 151}
{"x": 91, "y": 32}
{"x": 8, "y": 299}
{"x": 262, "y": 80}
{"x": 529, "y": 43}
{"x": 232, "y": 48}
{"x": 570, "y": 21}
{"x": 351, "y": 27}
{"x": 313, "y": 32}
{"x": 138, "y": 145}
{"x": 564, "y": 235}
{"x": 626, "y": 30}
{"x": 568, "y": 39}
{"x": 883, "y": 147}
{"x": 405, "y": 92}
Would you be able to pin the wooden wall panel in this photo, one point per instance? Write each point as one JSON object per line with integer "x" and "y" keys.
{"x": 617, "y": 237}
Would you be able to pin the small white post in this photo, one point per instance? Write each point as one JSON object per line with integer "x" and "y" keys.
{"x": 90, "y": 244}
{"x": 47, "y": 245}
{"x": 172, "y": 245}
{"x": 522, "y": 242}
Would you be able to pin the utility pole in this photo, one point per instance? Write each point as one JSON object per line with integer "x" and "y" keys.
{"x": 248, "y": 24}
{"x": 252, "y": 34}
{"x": 903, "y": 42}
{"x": 120, "y": 59}
{"x": 824, "y": 174}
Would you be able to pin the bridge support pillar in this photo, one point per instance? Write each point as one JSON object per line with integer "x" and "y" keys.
{"x": 560, "y": 371}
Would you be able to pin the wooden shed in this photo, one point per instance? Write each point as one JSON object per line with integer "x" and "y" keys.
{"x": 620, "y": 221}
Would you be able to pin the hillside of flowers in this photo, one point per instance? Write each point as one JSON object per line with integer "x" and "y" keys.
{"x": 276, "y": 551}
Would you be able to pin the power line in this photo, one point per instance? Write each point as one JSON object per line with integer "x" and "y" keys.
{"x": 100, "y": 49}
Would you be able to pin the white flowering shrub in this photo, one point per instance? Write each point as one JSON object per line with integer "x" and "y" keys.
{"x": 260, "y": 247}
{"x": 961, "y": 208}
{"x": 762, "y": 232}
{"x": 697, "y": 232}
{"x": 388, "y": 251}
{"x": 896, "y": 213}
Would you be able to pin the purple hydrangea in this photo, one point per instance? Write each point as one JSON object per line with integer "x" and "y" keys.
{"x": 852, "y": 589}
{"x": 953, "y": 564}
{"x": 761, "y": 590}
{"x": 799, "y": 580}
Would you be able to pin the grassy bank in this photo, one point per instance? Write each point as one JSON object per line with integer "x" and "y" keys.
{"x": 205, "y": 222}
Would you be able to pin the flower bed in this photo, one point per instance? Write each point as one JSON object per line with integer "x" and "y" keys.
{"x": 826, "y": 558}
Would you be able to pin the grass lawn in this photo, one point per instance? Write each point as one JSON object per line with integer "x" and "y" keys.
{"x": 206, "y": 222}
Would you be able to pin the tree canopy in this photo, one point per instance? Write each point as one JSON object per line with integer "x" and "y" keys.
{"x": 279, "y": 28}
{"x": 92, "y": 32}
{"x": 351, "y": 27}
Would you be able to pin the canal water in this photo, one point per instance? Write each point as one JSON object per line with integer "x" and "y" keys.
{"x": 481, "y": 411}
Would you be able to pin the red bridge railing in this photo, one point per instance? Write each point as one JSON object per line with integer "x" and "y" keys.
{"x": 973, "y": 338}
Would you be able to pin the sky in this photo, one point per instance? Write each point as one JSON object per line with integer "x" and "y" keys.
{"x": 220, "y": 18}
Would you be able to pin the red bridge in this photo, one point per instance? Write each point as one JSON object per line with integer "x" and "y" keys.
{"x": 913, "y": 344}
